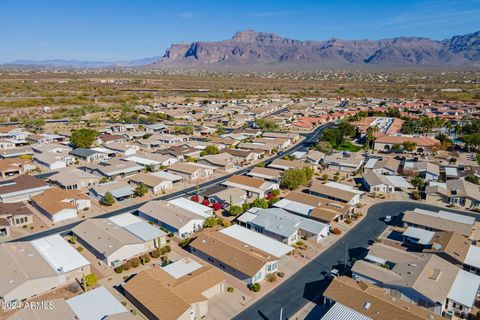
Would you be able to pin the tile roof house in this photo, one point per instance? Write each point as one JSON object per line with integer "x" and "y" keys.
{"x": 163, "y": 295}
{"x": 376, "y": 182}
{"x": 190, "y": 171}
{"x": 73, "y": 178}
{"x": 14, "y": 167}
{"x": 155, "y": 183}
{"x": 266, "y": 173}
{"x": 439, "y": 221}
{"x": 423, "y": 144}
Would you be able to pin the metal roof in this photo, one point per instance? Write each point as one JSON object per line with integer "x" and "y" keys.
{"x": 294, "y": 206}
{"x": 182, "y": 267}
{"x": 447, "y": 215}
{"x": 95, "y": 304}
{"x": 192, "y": 206}
{"x": 340, "y": 311}
{"x": 473, "y": 256}
{"x": 59, "y": 254}
{"x": 464, "y": 288}
{"x": 257, "y": 240}
{"x": 423, "y": 236}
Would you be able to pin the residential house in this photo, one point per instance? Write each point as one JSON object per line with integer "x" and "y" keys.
{"x": 337, "y": 192}
{"x": 119, "y": 238}
{"x": 283, "y": 164}
{"x": 387, "y": 166}
{"x": 456, "y": 192}
{"x": 14, "y": 167}
{"x": 179, "y": 291}
{"x": 317, "y": 208}
{"x": 181, "y": 222}
{"x": 114, "y": 168}
{"x": 21, "y": 188}
{"x": 223, "y": 161}
{"x": 89, "y": 155}
{"x": 124, "y": 149}
{"x": 266, "y": 173}
{"x": 156, "y": 184}
{"x": 282, "y": 225}
{"x": 424, "y": 169}
{"x": 424, "y": 279}
{"x": 244, "y": 156}
{"x": 61, "y": 204}
{"x": 152, "y": 161}
{"x": 255, "y": 187}
{"x": 190, "y": 171}
{"x": 54, "y": 160}
{"x": 16, "y": 152}
{"x": 16, "y": 214}
{"x": 31, "y": 268}
{"x": 192, "y": 206}
{"x": 73, "y": 178}
{"x": 439, "y": 221}
{"x": 346, "y": 298}
{"x": 344, "y": 163}
{"x": 376, "y": 182}
{"x": 120, "y": 190}
{"x": 248, "y": 261}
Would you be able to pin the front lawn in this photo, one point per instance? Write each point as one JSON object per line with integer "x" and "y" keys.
{"x": 348, "y": 146}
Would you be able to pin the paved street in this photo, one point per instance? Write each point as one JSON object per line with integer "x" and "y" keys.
{"x": 308, "y": 283}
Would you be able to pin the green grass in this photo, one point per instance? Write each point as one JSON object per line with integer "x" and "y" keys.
{"x": 348, "y": 146}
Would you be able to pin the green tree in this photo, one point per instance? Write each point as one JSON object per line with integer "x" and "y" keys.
{"x": 83, "y": 138}
{"x": 141, "y": 190}
{"x": 293, "y": 178}
{"x": 108, "y": 199}
{"x": 210, "y": 222}
{"x": 260, "y": 203}
{"x": 409, "y": 146}
{"x": 90, "y": 280}
{"x": 418, "y": 183}
{"x": 235, "y": 210}
{"x": 211, "y": 149}
{"x": 188, "y": 130}
{"x": 325, "y": 147}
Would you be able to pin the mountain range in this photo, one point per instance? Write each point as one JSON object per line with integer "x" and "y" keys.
{"x": 253, "y": 50}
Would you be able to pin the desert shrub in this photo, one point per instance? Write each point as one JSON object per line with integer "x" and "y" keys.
{"x": 156, "y": 253}
{"x": 230, "y": 289}
{"x": 281, "y": 274}
{"x": 256, "y": 287}
{"x": 118, "y": 269}
{"x": 271, "y": 277}
{"x": 135, "y": 262}
{"x": 336, "y": 231}
{"x": 165, "y": 250}
{"x": 90, "y": 279}
{"x": 127, "y": 266}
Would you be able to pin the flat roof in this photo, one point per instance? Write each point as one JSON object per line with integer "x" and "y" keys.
{"x": 182, "y": 267}
{"x": 137, "y": 226}
{"x": 398, "y": 182}
{"x": 257, "y": 240}
{"x": 464, "y": 288}
{"x": 95, "y": 304}
{"x": 141, "y": 160}
{"x": 345, "y": 187}
{"x": 423, "y": 236}
{"x": 169, "y": 176}
{"x": 473, "y": 256}
{"x": 59, "y": 254}
{"x": 447, "y": 215}
{"x": 192, "y": 206}
{"x": 294, "y": 206}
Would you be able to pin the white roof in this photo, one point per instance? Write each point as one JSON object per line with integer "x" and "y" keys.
{"x": 192, "y": 206}
{"x": 473, "y": 256}
{"x": 340, "y": 311}
{"x": 137, "y": 226}
{"x": 375, "y": 259}
{"x": 423, "y": 236}
{"x": 59, "y": 254}
{"x": 95, "y": 304}
{"x": 399, "y": 182}
{"x": 169, "y": 176}
{"x": 247, "y": 217}
{"x": 345, "y": 187}
{"x": 464, "y": 288}
{"x": 143, "y": 161}
{"x": 257, "y": 240}
{"x": 182, "y": 267}
{"x": 299, "y": 154}
{"x": 371, "y": 163}
{"x": 448, "y": 216}
{"x": 294, "y": 206}
{"x": 103, "y": 150}
{"x": 451, "y": 172}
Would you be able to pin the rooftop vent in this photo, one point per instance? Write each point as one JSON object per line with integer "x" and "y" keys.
{"x": 367, "y": 305}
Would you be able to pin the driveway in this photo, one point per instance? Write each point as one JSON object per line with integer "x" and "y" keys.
{"x": 309, "y": 282}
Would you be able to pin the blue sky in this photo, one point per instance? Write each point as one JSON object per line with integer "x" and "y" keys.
{"x": 129, "y": 29}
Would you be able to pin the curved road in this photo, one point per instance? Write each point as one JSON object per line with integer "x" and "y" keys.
{"x": 309, "y": 282}
{"x": 309, "y": 138}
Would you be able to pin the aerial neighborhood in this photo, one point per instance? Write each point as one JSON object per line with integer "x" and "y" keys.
{"x": 168, "y": 219}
